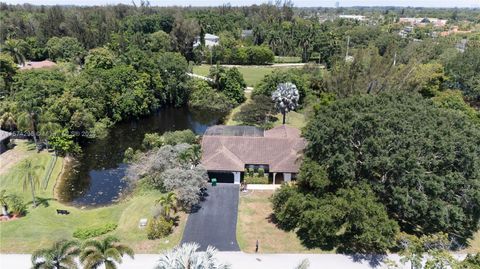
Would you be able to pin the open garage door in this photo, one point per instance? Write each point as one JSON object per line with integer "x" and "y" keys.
{"x": 222, "y": 177}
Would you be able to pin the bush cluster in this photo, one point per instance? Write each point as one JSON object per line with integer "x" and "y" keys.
{"x": 84, "y": 233}
{"x": 159, "y": 227}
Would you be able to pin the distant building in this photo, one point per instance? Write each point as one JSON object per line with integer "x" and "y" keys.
{"x": 210, "y": 41}
{"x": 424, "y": 21}
{"x": 353, "y": 17}
{"x": 454, "y": 30}
{"x": 37, "y": 65}
{"x": 4, "y": 140}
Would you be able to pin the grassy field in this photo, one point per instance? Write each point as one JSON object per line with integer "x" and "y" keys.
{"x": 251, "y": 73}
{"x": 254, "y": 223}
{"x": 42, "y": 226}
{"x": 288, "y": 59}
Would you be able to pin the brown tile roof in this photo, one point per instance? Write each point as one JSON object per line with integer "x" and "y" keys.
{"x": 280, "y": 148}
{"x": 36, "y": 65}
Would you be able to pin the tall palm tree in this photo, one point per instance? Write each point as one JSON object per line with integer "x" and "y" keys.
{"x": 187, "y": 256}
{"x": 16, "y": 48}
{"x": 168, "y": 203}
{"x": 60, "y": 256}
{"x": 3, "y": 202}
{"x": 28, "y": 120}
{"x": 108, "y": 252}
{"x": 30, "y": 177}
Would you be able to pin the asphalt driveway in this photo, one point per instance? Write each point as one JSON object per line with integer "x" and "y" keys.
{"x": 215, "y": 223}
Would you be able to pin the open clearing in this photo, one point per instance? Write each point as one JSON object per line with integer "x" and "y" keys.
{"x": 251, "y": 73}
{"x": 254, "y": 223}
{"x": 42, "y": 226}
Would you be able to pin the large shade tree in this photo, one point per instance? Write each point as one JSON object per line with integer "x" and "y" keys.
{"x": 414, "y": 161}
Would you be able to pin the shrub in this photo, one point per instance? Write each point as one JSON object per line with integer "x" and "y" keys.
{"x": 205, "y": 97}
{"x": 16, "y": 205}
{"x": 251, "y": 172}
{"x": 158, "y": 228}
{"x": 256, "y": 180}
{"x": 179, "y": 137}
{"x": 261, "y": 172}
{"x": 152, "y": 140}
{"x": 84, "y": 233}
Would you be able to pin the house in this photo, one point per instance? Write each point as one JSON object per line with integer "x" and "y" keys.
{"x": 353, "y": 17}
{"x": 37, "y": 65}
{"x": 228, "y": 150}
{"x": 210, "y": 41}
{"x": 4, "y": 140}
{"x": 424, "y": 21}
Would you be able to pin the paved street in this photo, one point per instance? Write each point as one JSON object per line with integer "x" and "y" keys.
{"x": 215, "y": 223}
{"x": 238, "y": 260}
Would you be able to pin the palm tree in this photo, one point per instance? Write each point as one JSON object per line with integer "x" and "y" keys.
{"x": 3, "y": 202}
{"x": 187, "y": 256}
{"x": 286, "y": 98}
{"x": 29, "y": 121}
{"x": 31, "y": 178}
{"x": 60, "y": 256}
{"x": 107, "y": 251}
{"x": 16, "y": 48}
{"x": 192, "y": 155}
{"x": 168, "y": 203}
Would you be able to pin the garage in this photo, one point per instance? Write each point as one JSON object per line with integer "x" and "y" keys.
{"x": 222, "y": 177}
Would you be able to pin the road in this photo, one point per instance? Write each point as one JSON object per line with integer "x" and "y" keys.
{"x": 238, "y": 260}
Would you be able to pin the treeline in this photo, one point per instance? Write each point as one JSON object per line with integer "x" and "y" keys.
{"x": 285, "y": 30}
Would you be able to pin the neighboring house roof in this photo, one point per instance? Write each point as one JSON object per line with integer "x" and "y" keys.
{"x": 38, "y": 64}
{"x": 4, "y": 135}
{"x": 280, "y": 148}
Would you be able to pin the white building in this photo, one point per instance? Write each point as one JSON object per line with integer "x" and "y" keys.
{"x": 210, "y": 40}
{"x": 353, "y": 17}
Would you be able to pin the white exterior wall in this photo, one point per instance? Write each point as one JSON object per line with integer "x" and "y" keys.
{"x": 287, "y": 177}
{"x": 236, "y": 177}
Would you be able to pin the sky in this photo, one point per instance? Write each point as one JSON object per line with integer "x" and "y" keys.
{"x": 298, "y": 3}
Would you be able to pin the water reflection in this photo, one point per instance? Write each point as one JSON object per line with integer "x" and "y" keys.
{"x": 96, "y": 177}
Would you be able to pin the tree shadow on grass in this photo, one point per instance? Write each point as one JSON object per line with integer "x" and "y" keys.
{"x": 45, "y": 202}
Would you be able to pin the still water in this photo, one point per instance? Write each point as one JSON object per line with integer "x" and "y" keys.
{"x": 96, "y": 177}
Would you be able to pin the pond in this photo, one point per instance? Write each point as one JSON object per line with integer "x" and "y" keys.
{"x": 96, "y": 177}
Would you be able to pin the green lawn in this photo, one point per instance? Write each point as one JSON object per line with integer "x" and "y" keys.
{"x": 251, "y": 73}
{"x": 42, "y": 226}
{"x": 254, "y": 223}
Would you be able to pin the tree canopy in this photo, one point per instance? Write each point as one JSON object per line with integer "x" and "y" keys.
{"x": 417, "y": 165}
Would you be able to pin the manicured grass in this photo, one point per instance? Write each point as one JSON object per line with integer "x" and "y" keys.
{"x": 293, "y": 118}
{"x": 229, "y": 119}
{"x": 288, "y": 59}
{"x": 251, "y": 73}
{"x": 254, "y": 223}
{"x": 42, "y": 226}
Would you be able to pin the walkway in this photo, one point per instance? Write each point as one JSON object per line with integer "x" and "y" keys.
{"x": 240, "y": 260}
{"x": 215, "y": 223}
